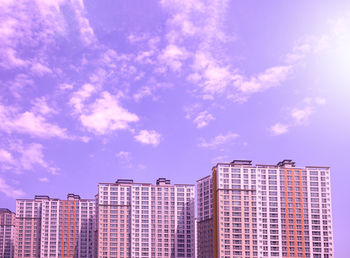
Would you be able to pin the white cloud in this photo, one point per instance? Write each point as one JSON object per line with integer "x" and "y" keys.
{"x": 278, "y": 129}
{"x": 301, "y": 115}
{"x": 218, "y": 140}
{"x": 20, "y": 82}
{"x": 298, "y": 115}
{"x": 106, "y": 115}
{"x": 320, "y": 101}
{"x": 219, "y": 159}
{"x": 81, "y": 95}
{"x": 19, "y": 28}
{"x": 65, "y": 86}
{"x": 32, "y": 155}
{"x": 191, "y": 110}
{"x": 126, "y": 160}
{"x": 173, "y": 56}
{"x": 148, "y": 137}
{"x": 6, "y": 157}
{"x": 21, "y": 157}
{"x": 271, "y": 77}
{"x": 40, "y": 106}
{"x": 28, "y": 123}
{"x": 150, "y": 90}
{"x": 10, "y": 191}
{"x": 124, "y": 155}
{"x": 203, "y": 119}
{"x": 40, "y": 69}
{"x": 43, "y": 179}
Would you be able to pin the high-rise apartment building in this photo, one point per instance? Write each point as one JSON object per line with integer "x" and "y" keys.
{"x": 7, "y": 232}
{"x": 205, "y": 217}
{"x": 50, "y": 227}
{"x": 144, "y": 220}
{"x": 265, "y": 211}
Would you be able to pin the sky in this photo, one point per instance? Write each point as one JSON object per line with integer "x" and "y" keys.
{"x": 92, "y": 91}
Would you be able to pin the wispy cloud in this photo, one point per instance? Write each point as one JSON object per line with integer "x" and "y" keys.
{"x": 203, "y": 119}
{"x": 43, "y": 179}
{"x": 150, "y": 90}
{"x": 218, "y": 140}
{"x": 10, "y": 191}
{"x": 19, "y": 157}
{"x": 148, "y": 137}
{"x": 29, "y": 122}
{"x": 278, "y": 129}
{"x": 125, "y": 158}
{"x": 297, "y": 116}
{"x": 79, "y": 96}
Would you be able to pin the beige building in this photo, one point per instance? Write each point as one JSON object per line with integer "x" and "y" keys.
{"x": 145, "y": 220}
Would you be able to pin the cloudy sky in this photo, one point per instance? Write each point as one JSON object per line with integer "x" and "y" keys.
{"x": 92, "y": 91}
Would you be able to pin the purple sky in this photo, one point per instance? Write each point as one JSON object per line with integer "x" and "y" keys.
{"x": 98, "y": 90}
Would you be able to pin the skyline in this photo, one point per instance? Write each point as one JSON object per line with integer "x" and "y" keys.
{"x": 95, "y": 91}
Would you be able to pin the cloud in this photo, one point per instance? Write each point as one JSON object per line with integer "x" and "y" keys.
{"x": 126, "y": 160}
{"x": 278, "y": 129}
{"x": 40, "y": 69}
{"x": 65, "y": 86}
{"x": 20, "y": 29}
{"x": 40, "y": 106}
{"x": 20, "y": 82}
{"x": 211, "y": 71}
{"x": 271, "y": 77}
{"x": 20, "y": 157}
{"x": 301, "y": 115}
{"x": 124, "y": 155}
{"x": 78, "y": 97}
{"x": 106, "y": 115}
{"x": 297, "y": 116}
{"x": 150, "y": 90}
{"x": 29, "y": 122}
{"x": 43, "y": 179}
{"x": 218, "y": 159}
{"x": 200, "y": 118}
{"x": 6, "y": 157}
{"x": 148, "y": 137}
{"x": 32, "y": 155}
{"x": 218, "y": 140}
{"x": 173, "y": 56}
{"x": 10, "y": 191}
{"x": 203, "y": 119}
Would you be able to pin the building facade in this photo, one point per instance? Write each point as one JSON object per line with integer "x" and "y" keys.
{"x": 267, "y": 211}
{"x": 144, "y": 220}
{"x": 7, "y": 233}
{"x": 205, "y": 217}
{"x": 50, "y": 227}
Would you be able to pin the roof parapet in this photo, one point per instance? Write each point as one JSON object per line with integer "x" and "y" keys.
{"x": 163, "y": 181}
{"x": 124, "y": 181}
{"x": 287, "y": 163}
{"x": 241, "y": 162}
{"x": 41, "y": 197}
{"x": 72, "y": 196}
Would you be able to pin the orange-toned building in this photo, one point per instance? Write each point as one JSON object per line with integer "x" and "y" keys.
{"x": 50, "y": 227}
{"x": 265, "y": 211}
